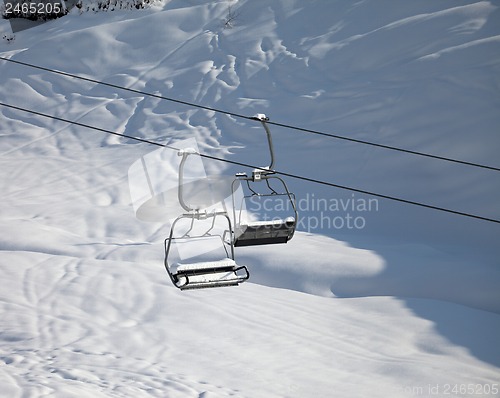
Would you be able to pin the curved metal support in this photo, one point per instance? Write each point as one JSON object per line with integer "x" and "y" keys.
{"x": 168, "y": 243}
{"x": 273, "y": 191}
{"x": 184, "y": 153}
{"x": 263, "y": 119}
{"x": 269, "y": 141}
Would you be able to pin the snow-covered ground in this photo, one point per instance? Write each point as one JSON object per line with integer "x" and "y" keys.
{"x": 370, "y": 298}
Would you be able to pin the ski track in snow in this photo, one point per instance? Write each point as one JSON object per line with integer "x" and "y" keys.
{"x": 411, "y": 301}
{"x": 106, "y": 329}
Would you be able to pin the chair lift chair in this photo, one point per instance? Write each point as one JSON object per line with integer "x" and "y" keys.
{"x": 262, "y": 232}
{"x": 201, "y": 274}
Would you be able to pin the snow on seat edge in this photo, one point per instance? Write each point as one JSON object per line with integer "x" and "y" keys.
{"x": 225, "y": 262}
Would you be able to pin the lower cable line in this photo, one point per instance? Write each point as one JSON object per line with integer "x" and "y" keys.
{"x": 291, "y": 175}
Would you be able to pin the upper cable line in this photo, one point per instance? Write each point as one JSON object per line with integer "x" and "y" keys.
{"x": 237, "y": 115}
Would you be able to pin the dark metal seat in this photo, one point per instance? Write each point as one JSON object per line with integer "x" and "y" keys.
{"x": 220, "y": 273}
{"x": 265, "y": 232}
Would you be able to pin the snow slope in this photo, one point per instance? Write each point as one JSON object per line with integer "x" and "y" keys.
{"x": 408, "y": 302}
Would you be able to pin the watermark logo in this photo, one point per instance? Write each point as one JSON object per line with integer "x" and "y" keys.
{"x": 25, "y": 14}
{"x": 317, "y": 213}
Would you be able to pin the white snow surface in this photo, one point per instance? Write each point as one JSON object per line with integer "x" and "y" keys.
{"x": 406, "y": 305}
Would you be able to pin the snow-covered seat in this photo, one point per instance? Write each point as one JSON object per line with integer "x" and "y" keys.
{"x": 224, "y": 272}
{"x": 265, "y": 232}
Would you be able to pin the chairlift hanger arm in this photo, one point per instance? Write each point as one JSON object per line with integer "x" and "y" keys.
{"x": 180, "y": 192}
{"x": 263, "y": 119}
